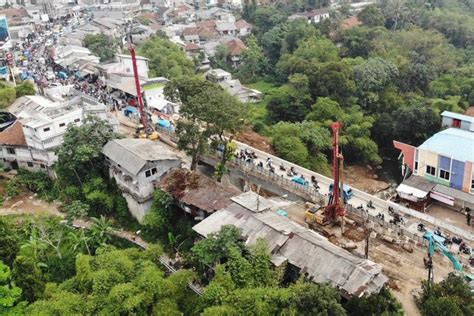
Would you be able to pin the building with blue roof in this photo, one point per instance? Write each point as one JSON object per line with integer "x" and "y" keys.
{"x": 446, "y": 159}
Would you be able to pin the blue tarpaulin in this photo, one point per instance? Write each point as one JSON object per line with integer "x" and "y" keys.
{"x": 164, "y": 123}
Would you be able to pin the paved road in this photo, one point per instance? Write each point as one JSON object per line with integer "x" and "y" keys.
{"x": 361, "y": 198}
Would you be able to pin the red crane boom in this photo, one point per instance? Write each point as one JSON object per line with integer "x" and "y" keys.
{"x": 141, "y": 107}
{"x": 335, "y": 207}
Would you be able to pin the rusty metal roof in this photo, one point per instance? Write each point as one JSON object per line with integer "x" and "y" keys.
{"x": 322, "y": 261}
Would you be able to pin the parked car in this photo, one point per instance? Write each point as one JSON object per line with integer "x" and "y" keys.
{"x": 347, "y": 191}
{"x": 300, "y": 180}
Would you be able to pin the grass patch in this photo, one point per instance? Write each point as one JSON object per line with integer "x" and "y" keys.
{"x": 263, "y": 86}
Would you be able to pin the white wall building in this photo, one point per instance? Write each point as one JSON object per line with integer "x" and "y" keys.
{"x": 40, "y": 128}
{"x": 136, "y": 164}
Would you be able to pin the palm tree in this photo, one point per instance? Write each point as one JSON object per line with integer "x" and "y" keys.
{"x": 102, "y": 230}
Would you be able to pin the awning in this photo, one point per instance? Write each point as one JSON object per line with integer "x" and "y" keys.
{"x": 442, "y": 198}
{"x": 411, "y": 193}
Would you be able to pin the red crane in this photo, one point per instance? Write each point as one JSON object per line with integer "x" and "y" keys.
{"x": 141, "y": 107}
{"x": 335, "y": 206}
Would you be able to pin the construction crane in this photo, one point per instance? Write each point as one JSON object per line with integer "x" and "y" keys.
{"x": 335, "y": 206}
{"x": 435, "y": 242}
{"x": 317, "y": 214}
{"x": 148, "y": 131}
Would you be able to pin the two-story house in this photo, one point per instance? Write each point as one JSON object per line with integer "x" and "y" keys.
{"x": 445, "y": 160}
{"x": 313, "y": 16}
{"x": 137, "y": 165}
{"x": 38, "y": 127}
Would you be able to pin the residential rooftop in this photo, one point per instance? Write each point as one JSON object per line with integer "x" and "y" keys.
{"x": 455, "y": 143}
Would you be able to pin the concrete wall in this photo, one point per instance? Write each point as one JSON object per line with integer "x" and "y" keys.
{"x": 138, "y": 210}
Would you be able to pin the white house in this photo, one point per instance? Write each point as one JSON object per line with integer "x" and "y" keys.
{"x": 136, "y": 165}
{"x": 39, "y": 126}
{"x": 313, "y": 16}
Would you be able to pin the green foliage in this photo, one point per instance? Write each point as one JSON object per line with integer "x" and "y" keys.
{"x": 25, "y": 88}
{"x": 115, "y": 282}
{"x": 10, "y": 294}
{"x": 28, "y": 277}
{"x": 207, "y": 113}
{"x": 266, "y": 17}
{"x": 452, "y": 296}
{"x": 217, "y": 246}
{"x": 76, "y": 210}
{"x": 34, "y": 181}
{"x": 303, "y": 143}
{"x": 166, "y": 223}
{"x": 254, "y": 62}
{"x": 7, "y": 96}
{"x": 383, "y": 303}
{"x": 290, "y": 102}
{"x": 80, "y": 155}
{"x": 371, "y": 16}
{"x": 101, "y": 45}
{"x": 9, "y": 242}
{"x": 166, "y": 59}
{"x": 355, "y": 137}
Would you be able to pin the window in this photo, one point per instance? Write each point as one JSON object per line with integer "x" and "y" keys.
{"x": 443, "y": 174}
{"x": 416, "y": 166}
{"x": 11, "y": 151}
{"x": 154, "y": 171}
{"x": 148, "y": 173}
{"x": 62, "y": 124}
{"x": 42, "y": 166}
{"x": 431, "y": 170}
{"x": 472, "y": 185}
{"x": 457, "y": 123}
{"x": 30, "y": 164}
{"x": 77, "y": 120}
{"x": 46, "y": 129}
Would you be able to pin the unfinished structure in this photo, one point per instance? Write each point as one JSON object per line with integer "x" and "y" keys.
{"x": 312, "y": 254}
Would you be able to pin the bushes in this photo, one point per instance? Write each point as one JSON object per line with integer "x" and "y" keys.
{"x": 34, "y": 181}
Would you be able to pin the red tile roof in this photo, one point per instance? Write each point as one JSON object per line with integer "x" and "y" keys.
{"x": 191, "y": 47}
{"x": 13, "y": 135}
{"x": 236, "y": 47}
{"x": 206, "y": 23}
{"x": 240, "y": 24}
{"x": 191, "y": 31}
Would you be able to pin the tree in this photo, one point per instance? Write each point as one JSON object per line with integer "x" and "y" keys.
{"x": 207, "y": 113}
{"x": 290, "y": 102}
{"x": 9, "y": 242}
{"x": 382, "y": 303}
{"x": 9, "y": 294}
{"x": 355, "y": 136}
{"x": 254, "y": 62}
{"x": 75, "y": 210}
{"x": 166, "y": 58}
{"x": 25, "y": 88}
{"x": 116, "y": 282}
{"x": 28, "y": 277}
{"x": 371, "y": 16}
{"x": 266, "y": 17}
{"x": 101, "y": 230}
{"x": 7, "y": 96}
{"x": 375, "y": 74}
{"x": 221, "y": 58}
{"x": 425, "y": 119}
{"x": 101, "y": 45}
{"x": 452, "y": 296}
{"x": 80, "y": 155}
{"x": 217, "y": 246}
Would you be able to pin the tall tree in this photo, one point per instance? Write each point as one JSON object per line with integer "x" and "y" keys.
{"x": 101, "y": 45}
{"x": 371, "y": 16}
{"x": 254, "y": 62}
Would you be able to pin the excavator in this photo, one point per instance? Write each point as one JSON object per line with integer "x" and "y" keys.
{"x": 334, "y": 212}
{"x": 436, "y": 242}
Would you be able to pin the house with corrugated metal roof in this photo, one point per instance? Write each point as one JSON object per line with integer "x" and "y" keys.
{"x": 301, "y": 248}
{"x": 136, "y": 164}
{"x": 446, "y": 160}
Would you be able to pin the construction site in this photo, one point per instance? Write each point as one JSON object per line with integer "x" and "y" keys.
{"x": 323, "y": 236}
